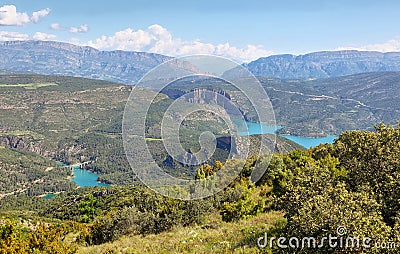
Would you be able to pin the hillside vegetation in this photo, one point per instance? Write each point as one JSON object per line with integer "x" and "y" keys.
{"x": 312, "y": 107}
{"x": 22, "y": 171}
{"x": 74, "y": 120}
{"x": 352, "y": 183}
{"x": 334, "y": 105}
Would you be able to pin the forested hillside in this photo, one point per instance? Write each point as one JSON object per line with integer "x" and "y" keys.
{"x": 22, "y": 171}
{"x": 315, "y": 107}
{"x": 75, "y": 120}
{"x": 351, "y": 185}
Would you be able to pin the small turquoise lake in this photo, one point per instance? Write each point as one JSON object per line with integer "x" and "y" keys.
{"x": 49, "y": 196}
{"x": 85, "y": 178}
{"x": 82, "y": 177}
{"x": 246, "y": 128}
{"x": 310, "y": 142}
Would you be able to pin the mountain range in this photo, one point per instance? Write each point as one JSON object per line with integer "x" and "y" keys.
{"x": 58, "y": 58}
{"x": 323, "y": 64}
{"x": 338, "y": 90}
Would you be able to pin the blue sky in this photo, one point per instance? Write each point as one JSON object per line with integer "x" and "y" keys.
{"x": 244, "y": 30}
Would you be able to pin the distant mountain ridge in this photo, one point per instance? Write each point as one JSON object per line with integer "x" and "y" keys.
{"x": 58, "y": 58}
{"x": 315, "y": 107}
{"x": 322, "y": 64}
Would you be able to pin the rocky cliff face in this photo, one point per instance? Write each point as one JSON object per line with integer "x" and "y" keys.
{"x": 56, "y": 58}
{"x": 27, "y": 143}
{"x": 11, "y": 141}
{"x": 204, "y": 95}
{"x": 322, "y": 64}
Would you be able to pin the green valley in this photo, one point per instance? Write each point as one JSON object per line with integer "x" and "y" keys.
{"x": 203, "y": 127}
{"x": 79, "y": 120}
{"x": 342, "y": 184}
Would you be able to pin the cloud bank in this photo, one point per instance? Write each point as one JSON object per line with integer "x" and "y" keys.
{"x": 157, "y": 39}
{"x": 56, "y": 27}
{"x": 12, "y": 36}
{"x": 43, "y": 36}
{"x": 392, "y": 45}
{"x": 15, "y": 36}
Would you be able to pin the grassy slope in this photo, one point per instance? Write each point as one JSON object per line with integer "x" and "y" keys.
{"x": 219, "y": 237}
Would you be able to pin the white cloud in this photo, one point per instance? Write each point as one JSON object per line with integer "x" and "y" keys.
{"x": 13, "y": 36}
{"x": 75, "y": 41}
{"x": 389, "y": 46}
{"x": 249, "y": 53}
{"x": 123, "y": 40}
{"x": 157, "y": 39}
{"x": 10, "y": 17}
{"x": 81, "y": 29}
{"x": 57, "y": 27}
{"x": 43, "y": 36}
{"x": 37, "y": 15}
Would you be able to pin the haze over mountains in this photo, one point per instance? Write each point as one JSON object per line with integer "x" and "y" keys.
{"x": 352, "y": 89}
{"x": 57, "y": 58}
{"x": 323, "y": 64}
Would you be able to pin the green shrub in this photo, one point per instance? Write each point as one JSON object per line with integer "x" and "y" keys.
{"x": 250, "y": 204}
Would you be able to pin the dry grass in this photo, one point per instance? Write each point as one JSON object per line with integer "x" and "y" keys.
{"x": 30, "y": 86}
{"x": 216, "y": 237}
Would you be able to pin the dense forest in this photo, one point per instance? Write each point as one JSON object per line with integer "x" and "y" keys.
{"x": 351, "y": 185}
{"x": 22, "y": 171}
